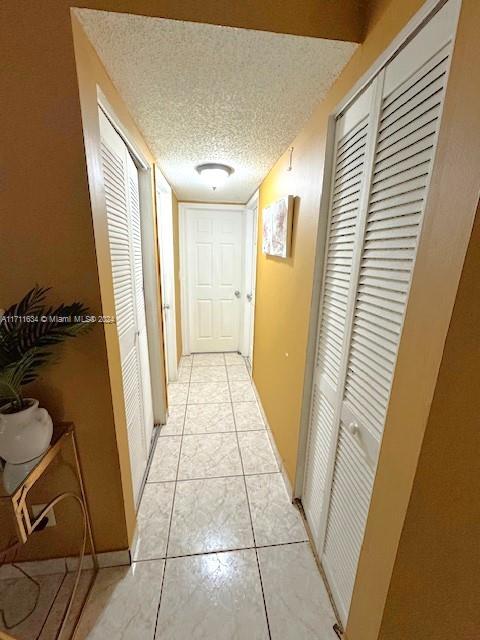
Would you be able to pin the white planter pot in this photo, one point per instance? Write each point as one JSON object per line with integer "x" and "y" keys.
{"x": 26, "y": 434}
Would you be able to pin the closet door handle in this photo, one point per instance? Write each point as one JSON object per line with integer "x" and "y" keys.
{"x": 353, "y": 428}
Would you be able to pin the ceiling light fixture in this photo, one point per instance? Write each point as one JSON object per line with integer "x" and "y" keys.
{"x": 214, "y": 174}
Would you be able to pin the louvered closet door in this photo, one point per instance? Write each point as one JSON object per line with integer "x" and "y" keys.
{"x": 352, "y": 147}
{"x": 116, "y": 176}
{"x": 410, "y": 110}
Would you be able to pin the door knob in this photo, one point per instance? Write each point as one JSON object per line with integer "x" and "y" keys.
{"x": 237, "y": 293}
{"x": 166, "y": 306}
{"x": 249, "y": 297}
{"x": 353, "y": 428}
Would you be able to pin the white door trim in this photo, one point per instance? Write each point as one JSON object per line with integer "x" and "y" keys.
{"x": 151, "y": 292}
{"x": 250, "y": 278}
{"x": 424, "y": 15}
{"x": 167, "y": 271}
{"x": 184, "y": 290}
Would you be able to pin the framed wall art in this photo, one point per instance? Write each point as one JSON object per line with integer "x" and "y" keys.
{"x": 277, "y": 221}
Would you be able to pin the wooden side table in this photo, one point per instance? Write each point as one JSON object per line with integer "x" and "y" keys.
{"x": 15, "y": 484}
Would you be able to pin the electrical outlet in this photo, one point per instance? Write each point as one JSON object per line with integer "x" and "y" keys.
{"x": 50, "y": 516}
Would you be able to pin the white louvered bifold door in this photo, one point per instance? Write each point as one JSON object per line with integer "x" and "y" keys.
{"x": 409, "y": 116}
{"x": 352, "y": 146}
{"x": 115, "y": 158}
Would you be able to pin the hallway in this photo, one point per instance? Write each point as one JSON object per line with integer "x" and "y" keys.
{"x": 221, "y": 552}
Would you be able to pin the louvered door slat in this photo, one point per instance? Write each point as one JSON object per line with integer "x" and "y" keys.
{"x": 350, "y": 497}
{"x": 413, "y": 115}
{"x": 136, "y": 245}
{"x": 350, "y": 170}
{"x": 116, "y": 201}
{"x": 354, "y": 177}
{"x": 132, "y": 394}
{"x": 322, "y": 420}
{"x": 430, "y": 73}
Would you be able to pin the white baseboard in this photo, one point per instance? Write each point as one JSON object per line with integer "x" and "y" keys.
{"x": 276, "y": 452}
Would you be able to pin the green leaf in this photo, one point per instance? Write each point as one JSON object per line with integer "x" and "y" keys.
{"x": 25, "y": 343}
{"x": 22, "y": 372}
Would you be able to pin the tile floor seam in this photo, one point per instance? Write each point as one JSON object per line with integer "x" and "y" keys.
{"x": 237, "y": 475}
{"x": 228, "y": 550}
{"x": 251, "y": 519}
{"x": 213, "y": 433}
{"x": 195, "y": 404}
{"x": 171, "y": 516}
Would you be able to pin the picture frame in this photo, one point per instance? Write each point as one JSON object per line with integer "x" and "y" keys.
{"x": 277, "y": 221}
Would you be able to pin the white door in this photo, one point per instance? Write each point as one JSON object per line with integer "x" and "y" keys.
{"x": 167, "y": 272}
{"x": 380, "y": 186}
{"x": 123, "y": 218}
{"x": 250, "y": 281}
{"x": 214, "y": 278}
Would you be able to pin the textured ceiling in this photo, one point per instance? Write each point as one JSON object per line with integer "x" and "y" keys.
{"x": 204, "y": 93}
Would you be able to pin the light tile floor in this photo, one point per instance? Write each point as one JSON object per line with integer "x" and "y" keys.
{"x": 222, "y": 554}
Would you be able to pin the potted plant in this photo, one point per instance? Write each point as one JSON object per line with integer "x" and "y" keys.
{"x": 28, "y": 331}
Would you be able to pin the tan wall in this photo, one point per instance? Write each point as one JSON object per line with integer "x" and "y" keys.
{"x": 284, "y": 287}
{"x": 318, "y": 18}
{"x": 53, "y": 242}
{"x": 176, "y": 260}
{"x": 438, "y": 563}
{"x": 47, "y": 237}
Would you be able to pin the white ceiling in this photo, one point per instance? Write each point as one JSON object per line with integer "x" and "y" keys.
{"x": 205, "y": 93}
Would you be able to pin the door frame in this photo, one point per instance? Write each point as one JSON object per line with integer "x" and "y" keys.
{"x": 149, "y": 264}
{"x": 250, "y": 282}
{"x": 183, "y": 208}
{"x": 416, "y": 23}
{"x": 163, "y": 192}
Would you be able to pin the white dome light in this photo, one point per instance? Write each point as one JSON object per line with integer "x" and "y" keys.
{"x": 214, "y": 174}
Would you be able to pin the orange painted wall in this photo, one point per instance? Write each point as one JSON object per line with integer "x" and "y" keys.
{"x": 318, "y": 18}
{"x": 47, "y": 237}
{"x": 438, "y": 560}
